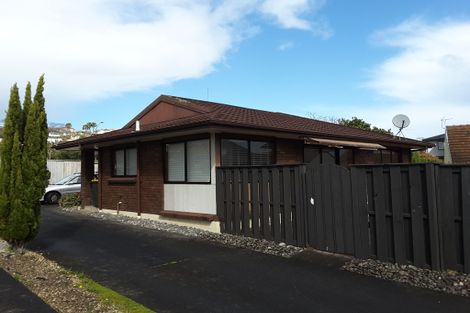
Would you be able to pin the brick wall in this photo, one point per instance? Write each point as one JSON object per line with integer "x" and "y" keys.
{"x": 151, "y": 177}
{"x": 115, "y": 190}
{"x": 289, "y": 151}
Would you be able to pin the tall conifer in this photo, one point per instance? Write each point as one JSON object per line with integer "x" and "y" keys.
{"x": 23, "y": 169}
{"x": 22, "y": 221}
{"x": 11, "y": 126}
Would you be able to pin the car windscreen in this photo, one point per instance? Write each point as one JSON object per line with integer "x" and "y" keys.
{"x": 65, "y": 180}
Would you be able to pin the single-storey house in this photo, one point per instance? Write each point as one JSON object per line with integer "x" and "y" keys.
{"x": 438, "y": 147}
{"x": 162, "y": 163}
{"x": 457, "y": 144}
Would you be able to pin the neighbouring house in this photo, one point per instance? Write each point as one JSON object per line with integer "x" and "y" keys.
{"x": 438, "y": 143}
{"x": 457, "y": 144}
{"x": 162, "y": 163}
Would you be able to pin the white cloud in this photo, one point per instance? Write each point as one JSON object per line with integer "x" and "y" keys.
{"x": 289, "y": 14}
{"x": 429, "y": 76}
{"x": 98, "y": 48}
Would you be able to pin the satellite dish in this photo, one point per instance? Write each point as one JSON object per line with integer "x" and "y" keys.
{"x": 401, "y": 121}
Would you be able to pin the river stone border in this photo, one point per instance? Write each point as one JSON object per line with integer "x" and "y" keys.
{"x": 446, "y": 281}
{"x": 258, "y": 245}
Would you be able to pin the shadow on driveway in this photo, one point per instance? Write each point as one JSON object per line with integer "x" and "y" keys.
{"x": 172, "y": 273}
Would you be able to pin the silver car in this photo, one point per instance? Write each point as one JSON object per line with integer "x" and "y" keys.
{"x": 69, "y": 184}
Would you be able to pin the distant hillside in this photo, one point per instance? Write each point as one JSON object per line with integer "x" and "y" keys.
{"x": 56, "y": 125}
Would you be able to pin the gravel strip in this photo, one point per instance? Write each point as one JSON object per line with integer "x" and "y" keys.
{"x": 53, "y": 284}
{"x": 259, "y": 245}
{"x": 446, "y": 281}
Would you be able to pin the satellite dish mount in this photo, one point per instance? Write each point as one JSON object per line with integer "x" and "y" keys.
{"x": 401, "y": 121}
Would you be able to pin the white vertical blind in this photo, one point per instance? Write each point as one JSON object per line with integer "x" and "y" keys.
{"x": 131, "y": 162}
{"x": 119, "y": 162}
{"x": 175, "y": 162}
{"x": 235, "y": 152}
{"x": 198, "y": 153}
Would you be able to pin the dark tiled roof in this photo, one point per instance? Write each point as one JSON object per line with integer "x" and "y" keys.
{"x": 459, "y": 143}
{"x": 440, "y": 137}
{"x": 218, "y": 114}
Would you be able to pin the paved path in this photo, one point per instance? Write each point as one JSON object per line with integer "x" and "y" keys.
{"x": 16, "y": 298}
{"x": 172, "y": 273}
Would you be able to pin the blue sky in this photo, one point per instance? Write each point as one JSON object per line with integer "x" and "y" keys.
{"x": 106, "y": 60}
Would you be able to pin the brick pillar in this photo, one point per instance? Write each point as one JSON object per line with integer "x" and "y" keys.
{"x": 87, "y": 172}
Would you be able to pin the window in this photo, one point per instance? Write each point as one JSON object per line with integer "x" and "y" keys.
{"x": 125, "y": 162}
{"x": 237, "y": 152}
{"x": 188, "y": 162}
{"x": 261, "y": 153}
{"x": 176, "y": 165}
{"x": 346, "y": 156}
{"x": 312, "y": 155}
{"x": 198, "y": 154}
{"x": 321, "y": 155}
{"x": 328, "y": 156}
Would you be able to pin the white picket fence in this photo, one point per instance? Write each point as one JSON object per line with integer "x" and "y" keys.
{"x": 61, "y": 168}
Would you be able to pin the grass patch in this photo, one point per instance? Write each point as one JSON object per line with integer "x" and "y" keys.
{"x": 17, "y": 276}
{"x": 111, "y": 297}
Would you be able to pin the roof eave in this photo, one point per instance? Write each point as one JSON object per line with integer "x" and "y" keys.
{"x": 100, "y": 139}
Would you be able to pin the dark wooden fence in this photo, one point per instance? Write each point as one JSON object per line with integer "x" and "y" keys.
{"x": 405, "y": 213}
{"x": 262, "y": 202}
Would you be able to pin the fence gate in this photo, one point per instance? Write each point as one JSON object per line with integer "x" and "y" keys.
{"x": 329, "y": 208}
{"x": 262, "y": 202}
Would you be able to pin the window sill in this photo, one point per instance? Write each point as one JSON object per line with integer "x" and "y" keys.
{"x": 190, "y": 216}
{"x": 122, "y": 180}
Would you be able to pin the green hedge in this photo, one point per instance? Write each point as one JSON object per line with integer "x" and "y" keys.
{"x": 70, "y": 200}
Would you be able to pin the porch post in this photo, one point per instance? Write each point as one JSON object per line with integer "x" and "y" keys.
{"x": 87, "y": 172}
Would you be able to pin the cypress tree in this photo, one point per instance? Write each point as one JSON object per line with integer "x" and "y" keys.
{"x": 22, "y": 222}
{"x": 23, "y": 169}
{"x": 43, "y": 129}
{"x": 27, "y": 102}
{"x": 34, "y": 157}
{"x": 11, "y": 126}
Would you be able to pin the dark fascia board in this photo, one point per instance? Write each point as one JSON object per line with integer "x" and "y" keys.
{"x": 92, "y": 140}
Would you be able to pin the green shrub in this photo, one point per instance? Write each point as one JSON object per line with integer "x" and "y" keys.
{"x": 70, "y": 200}
{"x": 424, "y": 157}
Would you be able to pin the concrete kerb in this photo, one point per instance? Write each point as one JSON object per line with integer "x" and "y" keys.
{"x": 213, "y": 226}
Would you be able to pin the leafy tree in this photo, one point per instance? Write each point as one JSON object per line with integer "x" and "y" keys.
{"x": 361, "y": 124}
{"x": 90, "y": 127}
{"x": 68, "y": 125}
{"x": 62, "y": 154}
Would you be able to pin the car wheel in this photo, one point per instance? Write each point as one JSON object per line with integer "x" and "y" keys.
{"x": 52, "y": 197}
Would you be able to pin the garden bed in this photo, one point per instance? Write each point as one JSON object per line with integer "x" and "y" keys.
{"x": 446, "y": 281}
{"x": 63, "y": 290}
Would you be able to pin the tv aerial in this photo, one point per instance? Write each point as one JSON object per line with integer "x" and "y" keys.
{"x": 401, "y": 121}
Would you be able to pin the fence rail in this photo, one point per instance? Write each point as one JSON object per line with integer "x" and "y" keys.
{"x": 405, "y": 213}
{"x": 61, "y": 168}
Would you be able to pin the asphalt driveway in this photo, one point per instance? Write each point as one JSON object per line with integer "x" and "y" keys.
{"x": 173, "y": 273}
